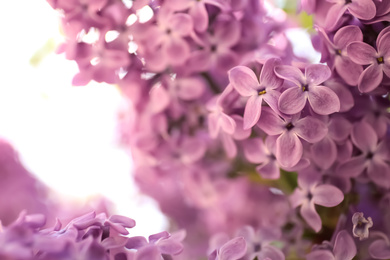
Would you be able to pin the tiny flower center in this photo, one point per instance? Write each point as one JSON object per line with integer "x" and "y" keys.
{"x": 380, "y": 60}
{"x": 257, "y": 247}
{"x": 262, "y": 92}
{"x": 309, "y": 196}
{"x": 369, "y": 155}
{"x": 348, "y": 1}
{"x": 338, "y": 52}
{"x": 213, "y": 48}
{"x": 289, "y": 126}
{"x": 305, "y": 88}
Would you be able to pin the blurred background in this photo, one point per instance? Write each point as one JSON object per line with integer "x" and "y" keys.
{"x": 64, "y": 135}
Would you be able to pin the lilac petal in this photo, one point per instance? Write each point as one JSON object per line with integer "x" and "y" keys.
{"x": 334, "y": 15}
{"x": 379, "y": 249}
{"x": 269, "y": 170}
{"x": 324, "y": 153}
{"x": 327, "y": 195}
{"x": 361, "y": 53}
{"x": 227, "y": 124}
{"x": 370, "y": 78}
{"x": 310, "y": 215}
{"x": 252, "y": 111}
{"x": 199, "y": 60}
{"x": 363, "y": 9}
{"x": 384, "y": 44}
{"x": 148, "y": 253}
{"x": 344, "y": 246}
{"x": 136, "y": 242}
{"x": 254, "y": 150}
{"x": 292, "y": 101}
{"x": 240, "y": 133}
{"x": 181, "y": 23}
{"x": 364, "y": 136}
{"x": 316, "y": 74}
{"x": 270, "y": 122}
{"x": 156, "y": 237}
{"x": 229, "y": 145}
{"x": 297, "y": 198}
{"x": 320, "y": 255}
{"x": 213, "y": 124}
{"x": 348, "y": 70}
{"x": 247, "y": 232}
{"x": 323, "y": 100}
{"x": 267, "y": 75}
{"x": 310, "y": 129}
{"x": 243, "y": 80}
{"x": 382, "y": 7}
{"x": 288, "y": 149}
{"x": 272, "y": 98}
{"x": 170, "y": 247}
{"x": 199, "y": 14}
{"x": 346, "y": 35}
{"x": 233, "y": 250}
{"x": 270, "y": 252}
{"x": 125, "y": 221}
{"x": 353, "y": 167}
{"x": 226, "y": 60}
{"x": 379, "y": 173}
{"x": 346, "y": 99}
{"x": 189, "y": 88}
{"x": 177, "y": 50}
{"x": 339, "y": 128}
{"x": 290, "y": 73}
{"x": 192, "y": 150}
{"x": 227, "y": 32}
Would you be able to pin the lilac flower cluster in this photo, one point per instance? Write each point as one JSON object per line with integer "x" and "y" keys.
{"x": 89, "y": 237}
{"x": 231, "y": 132}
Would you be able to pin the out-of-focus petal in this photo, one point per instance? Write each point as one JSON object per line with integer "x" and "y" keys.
{"x": 189, "y": 88}
{"x": 181, "y": 23}
{"x": 379, "y": 249}
{"x": 233, "y": 250}
{"x": 344, "y": 246}
{"x": 379, "y": 173}
{"x": 199, "y": 14}
{"x": 254, "y": 150}
{"x": 327, "y": 195}
{"x": 364, "y": 136}
{"x": 324, "y": 153}
{"x": 288, "y": 149}
{"x": 269, "y": 170}
{"x": 310, "y": 129}
{"x": 353, "y": 167}
{"x": 310, "y": 215}
{"x": 320, "y": 255}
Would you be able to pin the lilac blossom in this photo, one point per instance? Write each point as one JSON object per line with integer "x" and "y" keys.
{"x": 337, "y": 52}
{"x": 230, "y": 250}
{"x": 307, "y": 87}
{"x": 361, "y": 225}
{"x": 310, "y": 193}
{"x": 344, "y": 248}
{"x": 361, "y": 9}
{"x": 245, "y": 82}
{"x": 378, "y": 61}
{"x": 289, "y": 147}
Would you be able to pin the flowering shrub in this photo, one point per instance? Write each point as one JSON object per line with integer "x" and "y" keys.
{"x": 231, "y": 132}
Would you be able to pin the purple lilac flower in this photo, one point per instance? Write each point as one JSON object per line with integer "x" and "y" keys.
{"x": 289, "y": 147}
{"x": 233, "y": 249}
{"x": 374, "y": 156}
{"x": 337, "y": 52}
{"x": 245, "y": 82}
{"x": 361, "y": 9}
{"x": 344, "y": 249}
{"x": 311, "y": 192}
{"x": 259, "y": 243}
{"x": 322, "y": 100}
{"x": 361, "y": 225}
{"x": 378, "y": 61}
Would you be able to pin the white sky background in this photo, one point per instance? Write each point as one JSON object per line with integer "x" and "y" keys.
{"x": 63, "y": 133}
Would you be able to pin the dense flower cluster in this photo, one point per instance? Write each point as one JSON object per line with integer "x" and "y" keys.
{"x": 231, "y": 132}
{"x": 89, "y": 237}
